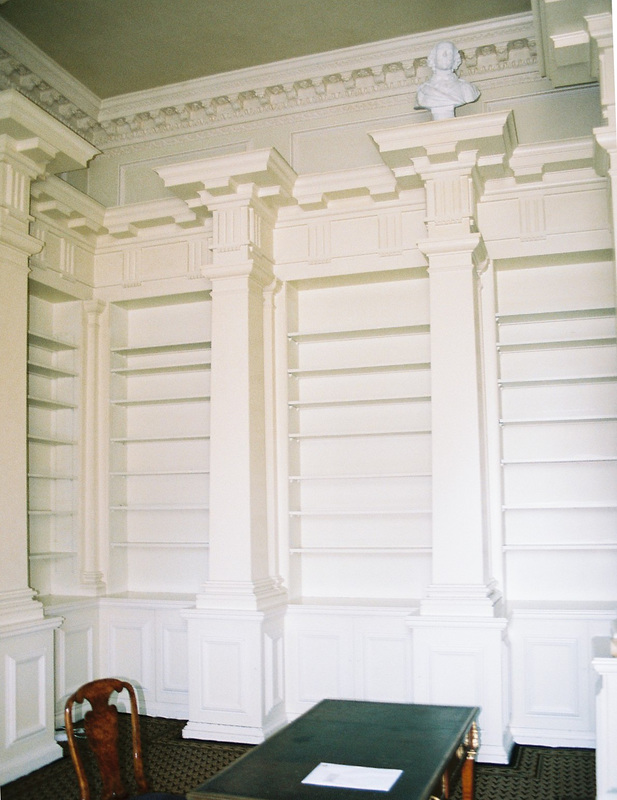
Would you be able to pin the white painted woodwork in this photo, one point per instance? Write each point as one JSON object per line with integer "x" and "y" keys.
{"x": 352, "y": 652}
{"x": 462, "y": 661}
{"x": 76, "y": 648}
{"x": 31, "y": 143}
{"x": 606, "y": 703}
{"x": 145, "y": 641}
{"x": 159, "y": 444}
{"x": 553, "y": 689}
{"x": 327, "y": 409}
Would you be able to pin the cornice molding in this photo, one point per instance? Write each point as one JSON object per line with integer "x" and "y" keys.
{"x": 30, "y": 63}
{"x": 502, "y": 48}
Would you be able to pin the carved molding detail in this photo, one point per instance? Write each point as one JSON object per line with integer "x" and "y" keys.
{"x": 514, "y": 56}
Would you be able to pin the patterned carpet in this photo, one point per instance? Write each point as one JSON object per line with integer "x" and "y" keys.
{"x": 177, "y": 765}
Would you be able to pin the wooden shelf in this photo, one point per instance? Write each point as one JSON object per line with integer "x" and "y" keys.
{"x": 556, "y": 381}
{"x": 160, "y": 507}
{"x": 360, "y": 333}
{"x": 162, "y": 369}
{"x": 51, "y": 477}
{"x": 174, "y": 438}
{"x": 410, "y": 512}
{"x": 52, "y": 555}
{"x": 159, "y": 473}
{"x": 367, "y": 476}
{"x": 549, "y": 461}
{"x": 50, "y": 440}
{"x": 372, "y": 369}
{"x": 164, "y": 347}
{"x": 162, "y": 545}
{"x": 561, "y": 547}
{"x": 357, "y": 434}
{"x": 157, "y": 387}
{"x": 52, "y": 343}
{"x": 369, "y": 401}
{"x": 555, "y": 316}
{"x": 561, "y": 344}
{"x": 161, "y": 401}
{"x": 561, "y": 507}
{"x": 359, "y": 399}
{"x": 50, "y": 403}
{"x": 49, "y": 371}
{"x": 559, "y": 420}
{"x": 322, "y": 551}
{"x": 53, "y": 429}
{"x": 49, "y": 512}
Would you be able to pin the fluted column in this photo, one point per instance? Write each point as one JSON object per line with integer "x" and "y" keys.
{"x": 92, "y": 567}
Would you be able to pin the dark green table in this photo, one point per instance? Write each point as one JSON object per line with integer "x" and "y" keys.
{"x": 427, "y": 742}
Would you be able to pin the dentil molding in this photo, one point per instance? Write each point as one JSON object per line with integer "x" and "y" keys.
{"x": 503, "y": 48}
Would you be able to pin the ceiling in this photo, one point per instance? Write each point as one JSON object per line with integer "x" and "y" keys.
{"x": 115, "y": 47}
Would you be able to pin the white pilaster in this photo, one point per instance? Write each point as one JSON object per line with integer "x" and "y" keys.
{"x": 92, "y": 567}
{"x": 31, "y": 142}
{"x": 606, "y": 726}
{"x": 236, "y": 629}
{"x": 459, "y": 635}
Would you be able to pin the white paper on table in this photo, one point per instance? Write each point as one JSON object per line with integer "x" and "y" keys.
{"x": 349, "y": 777}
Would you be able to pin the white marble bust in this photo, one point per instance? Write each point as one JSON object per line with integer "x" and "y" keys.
{"x": 444, "y": 90}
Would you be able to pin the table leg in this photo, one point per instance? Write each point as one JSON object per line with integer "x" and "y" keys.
{"x": 467, "y": 778}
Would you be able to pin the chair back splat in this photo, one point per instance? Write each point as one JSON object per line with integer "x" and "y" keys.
{"x": 101, "y": 729}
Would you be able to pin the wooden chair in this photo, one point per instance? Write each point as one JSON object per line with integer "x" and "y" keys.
{"x": 101, "y": 732}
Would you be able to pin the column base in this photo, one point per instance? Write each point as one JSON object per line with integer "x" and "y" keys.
{"x": 462, "y": 600}
{"x": 92, "y": 584}
{"x": 463, "y": 662}
{"x": 242, "y": 595}
{"x": 236, "y": 681}
{"x": 19, "y": 608}
{"x": 211, "y": 732}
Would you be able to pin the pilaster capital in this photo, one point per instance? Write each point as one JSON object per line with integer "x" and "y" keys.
{"x": 264, "y": 595}
{"x": 243, "y": 192}
{"x": 227, "y": 277}
{"x": 417, "y": 153}
{"x": 452, "y": 158}
{"x": 462, "y": 253}
{"x": 94, "y": 308}
{"x": 236, "y": 179}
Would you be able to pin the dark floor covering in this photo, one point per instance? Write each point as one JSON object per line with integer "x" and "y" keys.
{"x": 177, "y": 765}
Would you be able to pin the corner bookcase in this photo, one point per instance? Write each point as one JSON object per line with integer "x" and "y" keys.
{"x": 53, "y": 401}
{"x": 558, "y": 384}
{"x": 359, "y": 438}
{"x": 160, "y": 442}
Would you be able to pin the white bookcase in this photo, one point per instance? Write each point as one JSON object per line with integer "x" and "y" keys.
{"x": 53, "y": 401}
{"x": 359, "y": 439}
{"x": 160, "y": 441}
{"x": 558, "y": 379}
